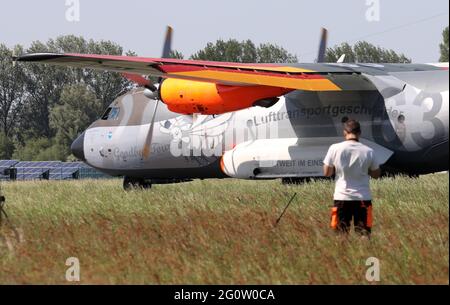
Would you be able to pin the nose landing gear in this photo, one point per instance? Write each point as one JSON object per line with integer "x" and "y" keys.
{"x": 130, "y": 183}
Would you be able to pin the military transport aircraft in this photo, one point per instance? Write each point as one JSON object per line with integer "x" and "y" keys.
{"x": 260, "y": 121}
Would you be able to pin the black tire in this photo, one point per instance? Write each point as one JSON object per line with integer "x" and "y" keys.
{"x": 146, "y": 185}
{"x": 130, "y": 183}
{"x": 295, "y": 181}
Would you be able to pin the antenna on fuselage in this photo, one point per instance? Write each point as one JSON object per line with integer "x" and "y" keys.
{"x": 341, "y": 59}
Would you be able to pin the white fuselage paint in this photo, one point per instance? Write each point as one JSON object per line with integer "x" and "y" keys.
{"x": 425, "y": 118}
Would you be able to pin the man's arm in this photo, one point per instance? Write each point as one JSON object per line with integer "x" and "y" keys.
{"x": 328, "y": 171}
{"x": 328, "y": 163}
{"x": 374, "y": 169}
{"x": 375, "y": 174}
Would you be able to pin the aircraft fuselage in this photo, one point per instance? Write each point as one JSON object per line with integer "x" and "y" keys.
{"x": 405, "y": 119}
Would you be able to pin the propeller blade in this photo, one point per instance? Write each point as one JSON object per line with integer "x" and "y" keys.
{"x": 167, "y": 50}
{"x": 148, "y": 140}
{"x": 140, "y": 81}
{"x": 322, "y": 46}
{"x": 167, "y": 43}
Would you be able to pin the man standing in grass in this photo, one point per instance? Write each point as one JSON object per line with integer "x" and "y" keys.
{"x": 352, "y": 163}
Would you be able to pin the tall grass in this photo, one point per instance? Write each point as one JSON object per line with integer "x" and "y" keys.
{"x": 220, "y": 232}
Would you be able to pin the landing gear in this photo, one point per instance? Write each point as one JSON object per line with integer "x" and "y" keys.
{"x": 131, "y": 183}
{"x": 295, "y": 181}
{"x": 302, "y": 180}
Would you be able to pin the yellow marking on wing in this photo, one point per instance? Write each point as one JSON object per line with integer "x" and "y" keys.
{"x": 265, "y": 80}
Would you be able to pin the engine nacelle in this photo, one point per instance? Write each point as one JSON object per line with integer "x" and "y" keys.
{"x": 284, "y": 158}
{"x": 187, "y": 97}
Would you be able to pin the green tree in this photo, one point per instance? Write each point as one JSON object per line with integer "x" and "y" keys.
{"x": 44, "y": 83}
{"x": 244, "y": 52}
{"x": 270, "y": 53}
{"x": 40, "y": 149}
{"x": 106, "y": 85}
{"x": 444, "y": 46}
{"x": 53, "y": 152}
{"x": 78, "y": 107}
{"x": 6, "y": 146}
{"x": 333, "y": 54}
{"x": 364, "y": 52}
{"x": 12, "y": 91}
{"x": 176, "y": 54}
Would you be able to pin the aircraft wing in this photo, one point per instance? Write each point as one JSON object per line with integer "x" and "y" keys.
{"x": 313, "y": 77}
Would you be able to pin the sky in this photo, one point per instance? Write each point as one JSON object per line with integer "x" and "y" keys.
{"x": 410, "y": 27}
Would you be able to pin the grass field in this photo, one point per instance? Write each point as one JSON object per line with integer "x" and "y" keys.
{"x": 220, "y": 232}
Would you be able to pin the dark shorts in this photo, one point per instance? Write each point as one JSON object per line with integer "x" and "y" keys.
{"x": 344, "y": 212}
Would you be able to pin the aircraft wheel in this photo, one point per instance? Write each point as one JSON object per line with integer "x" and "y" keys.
{"x": 130, "y": 183}
{"x": 295, "y": 181}
{"x": 146, "y": 185}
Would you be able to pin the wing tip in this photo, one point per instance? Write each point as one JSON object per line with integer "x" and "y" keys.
{"x": 37, "y": 57}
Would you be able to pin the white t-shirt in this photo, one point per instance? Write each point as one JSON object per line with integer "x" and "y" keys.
{"x": 352, "y": 161}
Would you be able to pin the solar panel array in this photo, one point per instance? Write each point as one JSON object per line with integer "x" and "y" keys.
{"x": 48, "y": 170}
{"x": 66, "y": 171}
{"x": 5, "y": 165}
{"x": 8, "y": 163}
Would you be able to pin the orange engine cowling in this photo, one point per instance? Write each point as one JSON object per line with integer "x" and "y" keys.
{"x": 187, "y": 97}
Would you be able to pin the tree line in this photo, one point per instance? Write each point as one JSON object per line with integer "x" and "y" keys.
{"x": 43, "y": 108}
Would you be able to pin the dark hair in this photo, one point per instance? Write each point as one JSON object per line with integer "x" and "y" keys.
{"x": 352, "y": 126}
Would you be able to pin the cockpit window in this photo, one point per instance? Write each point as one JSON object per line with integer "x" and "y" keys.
{"x": 106, "y": 114}
{"x": 112, "y": 113}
